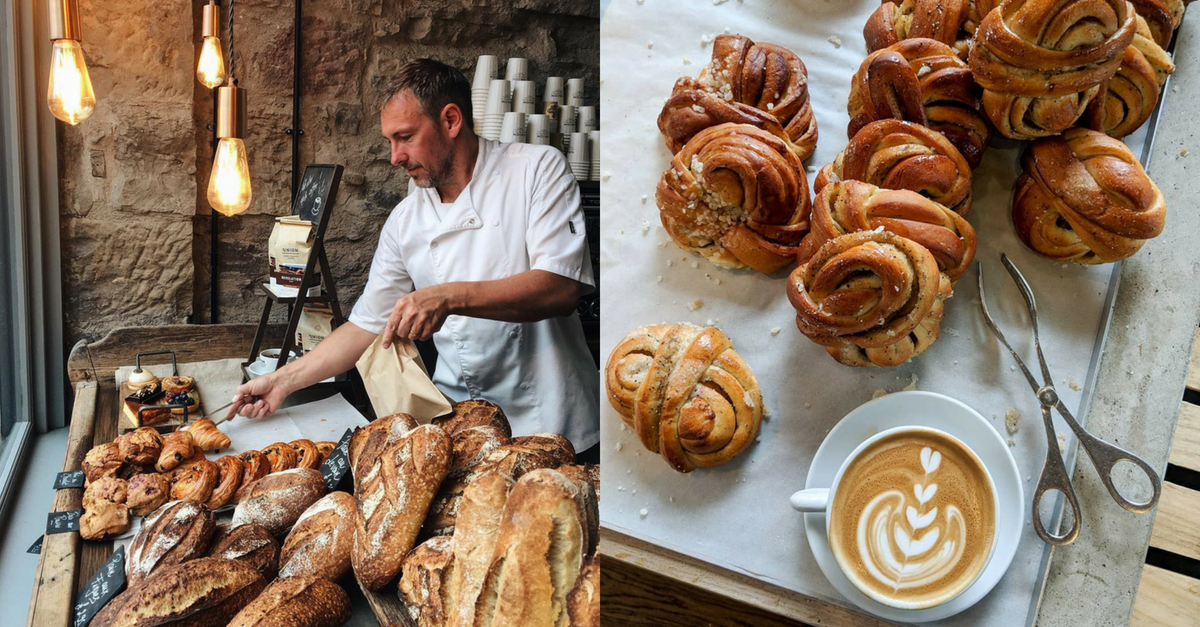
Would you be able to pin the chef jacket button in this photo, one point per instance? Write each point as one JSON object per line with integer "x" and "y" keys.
{"x": 513, "y": 333}
{"x": 497, "y": 223}
{"x": 524, "y": 386}
{"x": 471, "y": 222}
{"x": 458, "y": 344}
{"x": 434, "y": 245}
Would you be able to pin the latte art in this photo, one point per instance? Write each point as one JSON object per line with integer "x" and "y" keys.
{"x": 912, "y": 520}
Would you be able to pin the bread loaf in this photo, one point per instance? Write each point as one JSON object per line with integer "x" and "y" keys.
{"x": 538, "y": 555}
{"x": 394, "y": 491}
{"x": 552, "y": 444}
{"x": 589, "y": 503}
{"x": 470, "y": 448}
{"x": 479, "y": 515}
{"x": 320, "y": 542}
{"x": 583, "y": 602}
{"x": 377, "y": 435}
{"x": 296, "y": 602}
{"x": 474, "y": 413}
{"x": 425, "y": 580}
{"x": 174, "y": 533}
{"x": 278, "y": 499}
{"x": 251, "y": 544}
{"x": 205, "y": 592}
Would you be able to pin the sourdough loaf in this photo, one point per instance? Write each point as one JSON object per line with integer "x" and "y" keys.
{"x": 320, "y": 542}
{"x": 278, "y": 499}
{"x": 479, "y": 516}
{"x": 296, "y": 602}
{"x": 583, "y": 602}
{"x": 205, "y": 592}
{"x": 425, "y": 580}
{"x": 172, "y": 534}
{"x": 470, "y": 448}
{"x": 251, "y": 544}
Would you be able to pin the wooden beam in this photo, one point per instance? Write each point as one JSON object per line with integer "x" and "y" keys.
{"x": 1175, "y": 527}
{"x": 1185, "y": 450}
{"x": 1165, "y": 599}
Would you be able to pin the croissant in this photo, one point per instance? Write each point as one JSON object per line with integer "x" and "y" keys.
{"x": 1126, "y": 101}
{"x": 206, "y": 434}
{"x": 945, "y": 21}
{"x": 686, "y": 393}
{"x": 738, "y": 196}
{"x": 1084, "y": 197}
{"x": 923, "y": 81}
{"x": 871, "y": 298}
{"x": 895, "y": 154}
{"x": 1041, "y": 62}
{"x": 229, "y": 479}
{"x": 197, "y": 483}
{"x": 849, "y": 206}
{"x": 282, "y": 456}
{"x": 177, "y": 446}
{"x": 745, "y": 83}
{"x": 307, "y": 455}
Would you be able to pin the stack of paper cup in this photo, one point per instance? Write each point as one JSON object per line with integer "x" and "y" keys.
{"x": 568, "y": 119}
{"x": 499, "y": 102}
{"x": 594, "y": 149}
{"x": 575, "y": 92}
{"x": 525, "y": 97}
{"x": 516, "y": 70}
{"x": 513, "y": 128}
{"x": 577, "y": 156}
{"x": 537, "y": 129}
{"x": 555, "y": 86}
{"x": 486, "y": 69}
{"x": 588, "y": 121}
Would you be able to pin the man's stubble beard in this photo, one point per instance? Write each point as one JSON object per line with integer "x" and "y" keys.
{"x": 439, "y": 172}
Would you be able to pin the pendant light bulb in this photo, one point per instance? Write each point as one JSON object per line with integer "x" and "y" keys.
{"x": 210, "y": 69}
{"x": 229, "y": 183}
{"x": 70, "y": 94}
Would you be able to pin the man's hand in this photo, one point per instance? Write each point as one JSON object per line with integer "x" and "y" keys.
{"x": 418, "y": 315}
{"x": 260, "y": 397}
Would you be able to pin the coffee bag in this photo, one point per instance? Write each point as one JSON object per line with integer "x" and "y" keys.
{"x": 316, "y": 323}
{"x": 290, "y": 244}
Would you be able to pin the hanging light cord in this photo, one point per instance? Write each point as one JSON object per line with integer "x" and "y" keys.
{"x": 231, "y": 52}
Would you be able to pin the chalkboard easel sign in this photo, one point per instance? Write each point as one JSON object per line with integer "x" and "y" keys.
{"x": 317, "y": 190}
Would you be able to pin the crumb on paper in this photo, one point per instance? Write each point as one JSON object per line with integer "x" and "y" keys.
{"x": 1062, "y": 441}
{"x": 835, "y": 40}
{"x": 629, "y": 471}
{"x": 878, "y": 393}
{"x": 634, "y": 493}
{"x": 645, "y": 198}
{"x": 670, "y": 262}
{"x": 645, "y": 227}
{"x": 706, "y": 39}
{"x": 620, "y": 446}
{"x": 807, "y": 405}
{"x": 623, "y": 427}
{"x": 622, "y": 231}
{"x": 649, "y": 45}
{"x": 766, "y": 411}
{"x": 776, "y": 330}
{"x": 620, "y": 488}
{"x": 1011, "y": 416}
{"x": 644, "y": 512}
{"x": 912, "y": 383}
{"x": 687, "y": 61}
{"x": 658, "y": 279}
{"x": 1073, "y": 385}
{"x": 1011, "y": 443}
{"x": 695, "y": 264}
{"x": 1183, "y": 153}
{"x": 604, "y": 177}
{"x": 812, "y": 169}
{"x": 696, "y": 304}
{"x": 717, "y": 3}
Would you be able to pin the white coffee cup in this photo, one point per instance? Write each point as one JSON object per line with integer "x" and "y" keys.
{"x": 588, "y": 121}
{"x": 555, "y": 90}
{"x": 512, "y": 130}
{"x": 575, "y": 92}
{"x": 270, "y": 357}
{"x": 487, "y": 68}
{"x": 577, "y": 152}
{"x": 537, "y": 129}
{"x": 821, "y": 500}
{"x": 516, "y": 70}
{"x": 524, "y": 97}
{"x": 499, "y": 98}
{"x": 568, "y": 119}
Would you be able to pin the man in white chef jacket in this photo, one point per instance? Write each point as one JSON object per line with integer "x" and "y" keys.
{"x": 488, "y": 257}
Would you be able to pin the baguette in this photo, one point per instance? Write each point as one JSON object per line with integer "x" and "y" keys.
{"x": 320, "y": 542}
{"x": 394, "y": 491}
{"x": 427, "y": 571}
{"x": 297, "y": 602}
{"x": 583, "y": 602}
{"x": 480, "y": 513}
{"x": 205, "y": 592}
{"x": 278, "y": 499}
{"x": 251, "y": 544}
{"x": 538, "y": 555}
{"x": 174, "y": 533}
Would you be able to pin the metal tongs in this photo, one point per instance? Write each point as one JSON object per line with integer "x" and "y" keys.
{"x": 1104, "y": 455}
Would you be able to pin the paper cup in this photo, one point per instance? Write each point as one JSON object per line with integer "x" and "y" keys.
{"x": 516, "y": 70}
{"x": 577, "y": 152}
{"x": 575, "y": 92}
{"x": 499, "y": 98}
{"x": 568, "y": 119}
{"x": 537, "y": 129}
{"x": 594, "y": 149}
{"x": 580, "y": 170}
{"x": 555, "y": 90}
{"x": 588, "y": 120}
{"x": 487, "y": 68}
{"x": 513, "y": 128}
{"x": 525, "y": 97}
{"x": 552, "y": 111}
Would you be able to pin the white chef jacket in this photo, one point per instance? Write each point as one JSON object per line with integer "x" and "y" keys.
{"x": 520, "y": 212}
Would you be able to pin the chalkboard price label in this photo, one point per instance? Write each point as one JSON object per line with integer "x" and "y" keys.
{"x": 338, "y": 463}
{"x": 36, "y": 549}
{"x": 62, "y": 522}
{"x": 100, "y": 589}
{"x": 66, "y": 480}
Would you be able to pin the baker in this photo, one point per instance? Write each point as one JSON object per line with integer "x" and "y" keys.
{"x": 487, "y": 256}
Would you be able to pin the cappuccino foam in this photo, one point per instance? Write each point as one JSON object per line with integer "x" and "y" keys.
{"x": 913, "y": 519}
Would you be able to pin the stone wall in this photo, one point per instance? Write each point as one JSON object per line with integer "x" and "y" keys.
{"x": 136, "y": 234}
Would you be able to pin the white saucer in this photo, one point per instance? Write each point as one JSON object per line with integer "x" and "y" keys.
{"x": 925, "y": 409}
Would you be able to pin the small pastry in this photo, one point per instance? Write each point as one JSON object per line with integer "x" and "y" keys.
{"x": 178, "y": 384}
{"x": 147, "y": 492}
{"x": 229, "y": 481}
{"x": 104, "y": 460}
{"x": 255, "y": 466}
{"x": 105, "y": 513}
{"x": 184, "y": 466}
{"x": 139, "y": 378}
{"x": 282, "y": 456}
{"x": 141, "y": 446}
{"x": 325, "y": 448}
{"x": 154, "y": 416}
{"x": 307, "y": 455}
{"x": 182, "y": 402}
{"x": 105, "y": 489}
{"x": 177, "y": 446}
{"x": 197, "y": 483}
{"x": 206, "y": 435}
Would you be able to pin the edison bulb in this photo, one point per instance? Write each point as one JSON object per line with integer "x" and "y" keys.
{"x": 229, "y": 184}
{"x": 211, "y": 69}
{"x": 70, "y": 96}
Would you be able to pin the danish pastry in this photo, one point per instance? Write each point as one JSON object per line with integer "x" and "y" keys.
{"x": 282, "y": 456}
{"x": 197, "y": 483}
{"x": 177, "y": 446}
{"x": 229, "y": 479}
{"x": 307, "y": 455}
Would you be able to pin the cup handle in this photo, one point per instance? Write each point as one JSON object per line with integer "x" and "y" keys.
{"x": 811, "y": 500}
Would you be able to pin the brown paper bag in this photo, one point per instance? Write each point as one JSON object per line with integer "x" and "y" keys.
{"x": 397, "y": 382}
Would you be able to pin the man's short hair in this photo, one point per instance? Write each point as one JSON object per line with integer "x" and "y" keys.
{"x": 435, "y": 85}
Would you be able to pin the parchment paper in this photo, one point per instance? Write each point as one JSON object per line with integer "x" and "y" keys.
{"x": 737, "y": 516}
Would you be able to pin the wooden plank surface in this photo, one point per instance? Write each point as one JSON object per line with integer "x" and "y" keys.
{"x": 54, "y": 588}
{"x": 94, "y": 554}
{"x": 632, "y": 566}
{"x": 1165, "y": 599}
{"x": 1175, "y": 526}
{"x": 1185, "y": 450}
